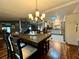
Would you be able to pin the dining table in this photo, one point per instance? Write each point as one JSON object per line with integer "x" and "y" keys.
{"x": 39, "y": 41}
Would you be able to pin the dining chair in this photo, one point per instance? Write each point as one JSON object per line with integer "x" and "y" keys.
{"x": 8, "y": 44}
{"x": 19, "y": 51}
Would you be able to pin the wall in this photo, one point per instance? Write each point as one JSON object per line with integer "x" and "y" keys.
{"x": 71, "y": 35}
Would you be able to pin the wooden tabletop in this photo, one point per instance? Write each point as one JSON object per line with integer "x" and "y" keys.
{"x": 34, "y": 38}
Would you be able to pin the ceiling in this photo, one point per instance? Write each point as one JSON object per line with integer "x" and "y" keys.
{"x": 20, "y": 8}
{"x": 65, "y": 10}
{"x": 76, "y": 10}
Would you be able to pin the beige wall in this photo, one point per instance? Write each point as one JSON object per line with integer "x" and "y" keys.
{"x": 71, "y": 36}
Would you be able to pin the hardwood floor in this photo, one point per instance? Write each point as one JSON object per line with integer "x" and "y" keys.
{"x": 61, "y": 51}
{"x": 3, "y": 53}
{"x": 57, "y": 51}
{"x": 3, "y": 50}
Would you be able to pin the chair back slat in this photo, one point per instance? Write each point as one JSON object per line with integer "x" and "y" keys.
{"x": 16, "y": 48}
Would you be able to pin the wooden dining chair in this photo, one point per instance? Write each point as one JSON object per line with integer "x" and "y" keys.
{"x": 16, "y": 48}
{"x": 8, "y": 44}
{"x": 21, "y": 52}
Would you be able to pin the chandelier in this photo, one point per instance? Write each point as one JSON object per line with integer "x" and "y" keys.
{"x": 37, "y": 15}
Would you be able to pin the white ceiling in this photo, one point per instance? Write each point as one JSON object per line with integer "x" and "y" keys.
{"x": 20, "y": 8}
{"x": 66, "y": 10}
{"x": 76, "y": 10}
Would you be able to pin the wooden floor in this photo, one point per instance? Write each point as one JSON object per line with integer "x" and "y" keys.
{"x": 3, "y": 50}
{"x": 57, "y": 51}
{"x": 61, "y": 51}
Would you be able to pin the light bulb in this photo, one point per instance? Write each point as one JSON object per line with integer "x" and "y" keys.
{"x": 43, "y": 15}
{"x": 37, "y": 13}
{"x": 30, "y": 16}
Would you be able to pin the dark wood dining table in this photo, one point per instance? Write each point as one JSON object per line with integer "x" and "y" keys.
{"x": 37, "y": 41}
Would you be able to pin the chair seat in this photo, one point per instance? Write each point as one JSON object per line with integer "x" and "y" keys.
{"x": 27, "y": 51}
